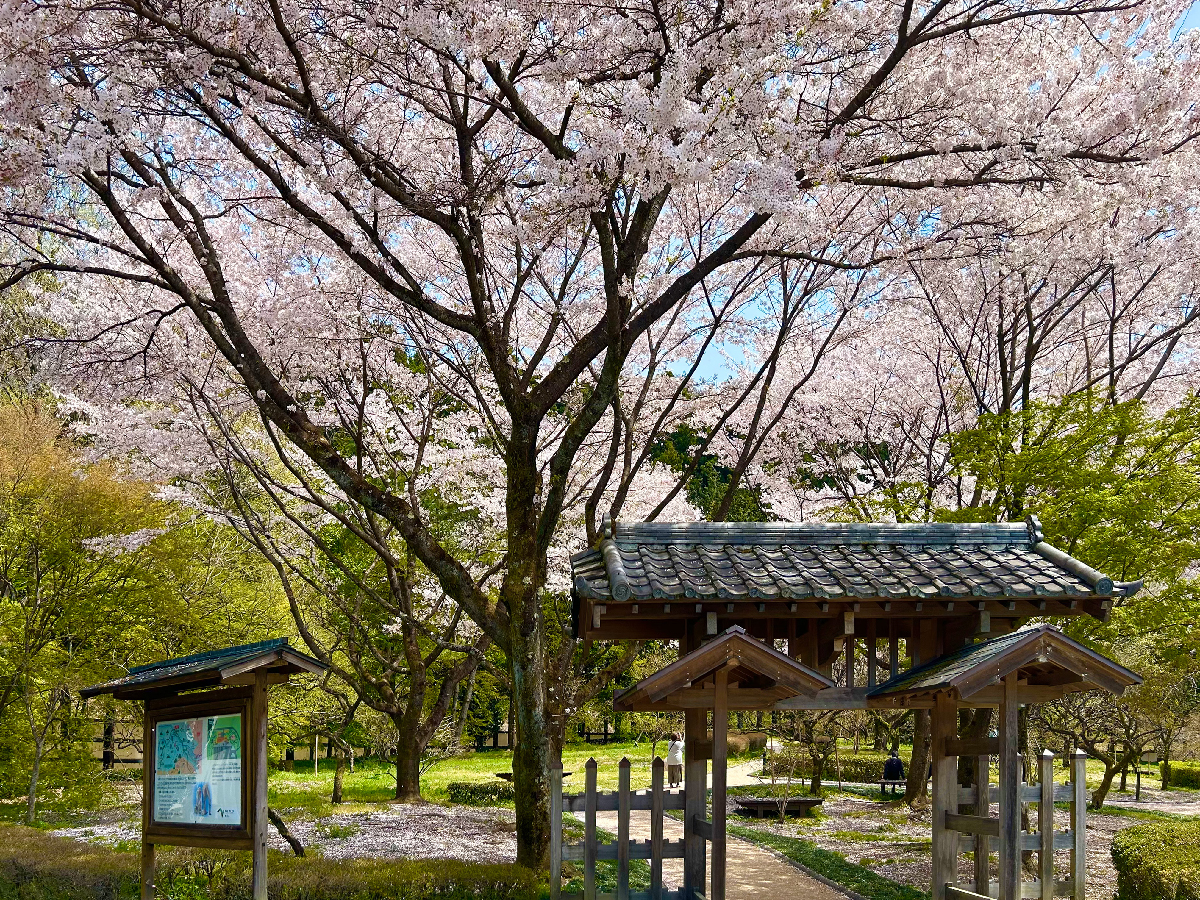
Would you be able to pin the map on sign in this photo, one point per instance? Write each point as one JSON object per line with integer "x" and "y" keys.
{"x": 198, "y": 771}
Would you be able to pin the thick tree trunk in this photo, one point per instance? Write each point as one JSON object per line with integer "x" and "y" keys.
{"x": 531, "y": 755}
{"x": 408, "y": 767}
{"x": 918, "y": 764}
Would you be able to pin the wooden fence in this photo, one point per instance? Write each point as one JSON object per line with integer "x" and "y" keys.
{"x": 590, "y": 851}
{"x": 978, "y": 832}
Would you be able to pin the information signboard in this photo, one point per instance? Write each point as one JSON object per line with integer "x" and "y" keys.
{"x": 200, "y": 769}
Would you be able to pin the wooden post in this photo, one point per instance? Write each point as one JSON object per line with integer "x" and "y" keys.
{"x": 872, "y": 646}
{"x": 148, "y": 764}
{"x": 316, "y": 752}
{"x": 695, "y": 793}
{"x": 983, "y": 807}
{"x": 258, "y": 714}
{"x": 1046, "y": 825}
{"x": 945, "y": 795}
{"x": 719, "y": 760}
{"x": 556, "y": 821}
{"x": 1078, "y": 825}
{"x": 1010, "y": 794}
{"x": 893, "y": 649}
{"x": 623, "y": 829}
{"x": 589, "y": 831}
{"x": 656, "y": 828}
{"x": 850, "y": 659}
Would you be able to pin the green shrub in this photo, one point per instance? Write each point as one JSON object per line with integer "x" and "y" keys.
{"x": 866, "y": 768}
{"x": 480, "y": 793}
{"x": 38, "y": 866}
{"x": 1183, "y": 774}
{"x": 1158, "y": 861}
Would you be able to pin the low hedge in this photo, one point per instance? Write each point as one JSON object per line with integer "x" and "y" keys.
{"x": 865, "y": 768}
{"x": 480, "y": 793}
{"x": 1183, "y": 774}
{"x": 1158, "y": 861}
{"x": 38, "y": 866}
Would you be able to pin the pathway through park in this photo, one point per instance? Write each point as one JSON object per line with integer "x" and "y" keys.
{"x": 754, "y": 873}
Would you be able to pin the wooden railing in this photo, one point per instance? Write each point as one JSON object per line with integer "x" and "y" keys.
{"x": 976, "y": 832}
{"x": 656, "y": 801}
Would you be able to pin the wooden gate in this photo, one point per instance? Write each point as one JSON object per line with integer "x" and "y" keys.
{"x": 980, "y": 832}
{"x": 655, "y": 849}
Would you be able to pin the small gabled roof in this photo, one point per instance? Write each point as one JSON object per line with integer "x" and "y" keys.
{"x": 227, "y": 666}
{"x": 1043, "y": 656}
{"x": 758, "y": 676}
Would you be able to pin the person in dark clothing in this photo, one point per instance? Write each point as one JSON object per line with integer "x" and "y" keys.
{"x": 893, "y": 771}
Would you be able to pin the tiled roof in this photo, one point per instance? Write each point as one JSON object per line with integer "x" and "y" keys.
{"x": 751, "y": 561}
{"x": 201, "y": 668}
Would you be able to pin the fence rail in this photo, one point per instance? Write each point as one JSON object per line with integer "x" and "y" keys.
{"x": 590, "y": 851}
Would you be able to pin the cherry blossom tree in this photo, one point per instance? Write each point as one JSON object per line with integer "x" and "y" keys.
{"x": 302, "y": 209}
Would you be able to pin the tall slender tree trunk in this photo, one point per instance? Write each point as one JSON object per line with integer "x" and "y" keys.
{"x": 918, "y": 764}
{"x": 465, "y": 710}
{"x": 35, "y": 775}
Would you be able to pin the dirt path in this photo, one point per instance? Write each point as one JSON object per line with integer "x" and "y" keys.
{"x": 753, "y": 873}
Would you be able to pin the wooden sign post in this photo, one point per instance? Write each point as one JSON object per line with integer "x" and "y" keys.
{"x": 204, "y": 754}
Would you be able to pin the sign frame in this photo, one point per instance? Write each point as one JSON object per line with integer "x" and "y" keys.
{"x": 222, "y": 702}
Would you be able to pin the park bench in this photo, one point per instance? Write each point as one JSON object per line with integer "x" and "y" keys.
{"x": 764, "y": 806}
{"x": 894, "y": 783}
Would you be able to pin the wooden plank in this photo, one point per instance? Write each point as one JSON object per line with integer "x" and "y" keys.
{"x": 703, "y": 828}
{"x": 608, "y": 852}
{"x": 1046, "y": 825}
{"x": 589, "y": 832}
{"x": 695, "y": 787}
{"x": 973, "y": 746}
{"x": 945, "y": 796}
{"x": 984, "y": 825}
{"x": 259, "y": 821}
{"x": 606, "y": 801}
{"x": 1029, "y": 793}
{"x": 556, "y": 822}
{"x": 1010, "y": 799}
{"x": 958, "y": 893}
{"x": 982, "y": 802}
{"x": 656, "y": 828}
{"x": 1078, "y": 879}
{"x": 623, "y": 830}
{"x": 719, "y": 772}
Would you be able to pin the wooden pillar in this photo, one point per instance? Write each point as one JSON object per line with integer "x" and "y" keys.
{"x": 893, "y": 649}
{"x": 695, "y": 790}
{"x": 929, "y": 639}
{"x": 983, "y": 807}
{"x": 811, "y": 646}
{"x": 656, "y": 829}
{"x": 589, "y": 830}
{"x": 1078, "y": 825}
{"x": 258, "y": 714}
{"x": 1010, "y": 795}
{"x": 793, "y": 640}
{"x": 1046, "y": 825}
{"x": 872, "y": 646}
{"x": 945, "y": 795}
{"x": 623, "y": 806}
{"x": 850, "y": 662}
{"x": 719, "y": 759}
{"x": 147, "y": 874}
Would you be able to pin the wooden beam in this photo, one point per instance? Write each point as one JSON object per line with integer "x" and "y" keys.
{"x": 1046, "y": 824}
{"x": 1010, "y": 798}
{"x": 719, "y": 770}
{"x": 259, "y": 821}
{"x": 973, "y": 746}
{"x": 147, "y": 860}
{"x": 984, "y": 825}
{"x": 695, "y": 792}
{"x": 945, "y": 796}
{"x": 982, "y": 809}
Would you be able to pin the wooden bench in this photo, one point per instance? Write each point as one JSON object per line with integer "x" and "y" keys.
{"x": 764, "y": 806}
{"x": 893, "y": 783}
